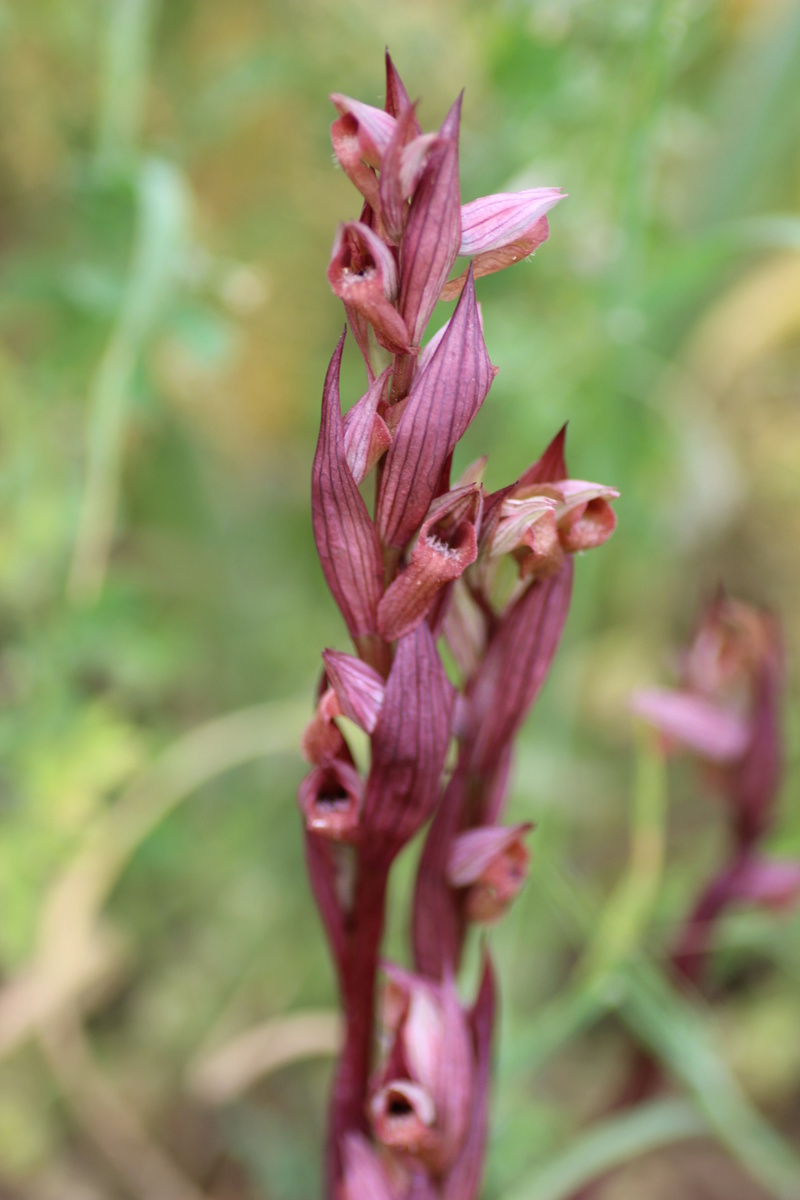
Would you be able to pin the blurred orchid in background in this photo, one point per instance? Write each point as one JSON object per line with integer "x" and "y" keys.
{"x": 728, "y": 714}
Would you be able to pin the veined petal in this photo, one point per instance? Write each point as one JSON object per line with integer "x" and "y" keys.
{"x": 463, "y": 1180}
{"x": 437, "y": 922}
{"x": 492, "y": 261}
{"x": 456, "y": 1072}
{"x": 408, "y": 747}
{"x": 516, "y": 518}
{"x": 516, "y": 664}
{"x": 364, "y": 1175}
{"x": 427, "y": 351}
{"x": 446, "y": 546}
{"x": 433, "y": 230}
{"x": 366, "y": 437}
{"x": 359, "y": 689}
{"x": 443, "y": 401}
{"x": 495, "y": 221}
{"x": 347, "y": 541}
{"x": 715, "y": 733}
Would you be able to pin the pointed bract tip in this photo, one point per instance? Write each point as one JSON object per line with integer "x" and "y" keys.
{"x": 452, "y": 122}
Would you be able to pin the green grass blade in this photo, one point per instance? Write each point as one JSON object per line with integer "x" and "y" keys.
{"x": 124, "y": 82}
{"x": 612, "y": 1143}
{"x": 526, "y": 1050}
{"x": 629, "y": 908}
{"x": 163, "y": 212}
{"x": 674, "y": 1030}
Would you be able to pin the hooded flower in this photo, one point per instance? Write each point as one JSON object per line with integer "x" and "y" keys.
{"x": 330, "y": 799}
{"x": 362, "y": 273}
{"x": 543, "y": 517}
{"x": 541, "y": 523}
{"x": 446, "y": 545}
{"x": 421, "y": 1102}
{"x": 360, "y": 137}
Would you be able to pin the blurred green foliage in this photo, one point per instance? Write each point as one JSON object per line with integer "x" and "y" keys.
{"x": 168, "y": 206}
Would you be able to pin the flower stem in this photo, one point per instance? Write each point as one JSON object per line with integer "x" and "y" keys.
{"x": 348, "y": 1103}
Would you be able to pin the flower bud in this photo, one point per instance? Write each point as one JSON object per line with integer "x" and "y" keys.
{"x": 491, "y": 863}
{"x": 360, "y": 137}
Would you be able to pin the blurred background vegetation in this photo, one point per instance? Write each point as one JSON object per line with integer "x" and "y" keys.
{"x": 168, "y": 205}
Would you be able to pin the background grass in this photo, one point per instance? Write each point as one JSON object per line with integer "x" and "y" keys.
{"x": 168, "y": 208}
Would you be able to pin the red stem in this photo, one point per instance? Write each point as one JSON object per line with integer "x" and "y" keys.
{"x": 348, "y": 1102}
{"x": 690, "y": 956}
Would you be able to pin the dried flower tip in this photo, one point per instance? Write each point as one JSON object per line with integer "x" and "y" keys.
{"x": 322, "y": 740}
